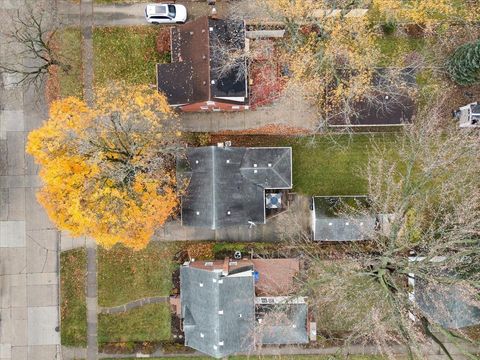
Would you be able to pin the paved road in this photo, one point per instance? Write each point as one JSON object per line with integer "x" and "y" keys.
{"x": 29, "y": 312}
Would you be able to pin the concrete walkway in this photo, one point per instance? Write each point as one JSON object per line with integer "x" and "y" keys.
{"x": 291, "y": 110}
{"x": 133, "y": 305}
{"x": 275, "y": 229}
{"x": 86, "y": 21}
{"x": 29, "y": 294}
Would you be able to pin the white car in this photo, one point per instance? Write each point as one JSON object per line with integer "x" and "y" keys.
{"x": 166, "y": 13}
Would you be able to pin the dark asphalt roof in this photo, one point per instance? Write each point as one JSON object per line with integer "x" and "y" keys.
{"x": 329, "y": 226}
{"x": 387, "y": 108}
{"x": 193, "y": 45}
{"x": 232, "y": 34}
{"x": 218, "y": 312}
{"x": 287, "y": 326}
{"x": 446, "y": 306}
{"x": 226, "y": 185}
{"x": 177, "y": 89}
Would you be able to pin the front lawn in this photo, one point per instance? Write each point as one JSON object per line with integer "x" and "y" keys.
{"x": 125, "y": 275}
{"x": 125, "y": 54}
{"x": 69, "y": 42}
{"x": 147, "y": 323}
{"x": 73, "y": 307}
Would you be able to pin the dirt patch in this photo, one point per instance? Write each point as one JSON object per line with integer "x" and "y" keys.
{"x": 145, "y": 347}
{"x": 269, "y": 129}
{"x": 52, "y": 87}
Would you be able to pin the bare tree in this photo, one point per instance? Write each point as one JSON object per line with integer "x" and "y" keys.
{"x": 30, "y": 40}
{"x": 417, "y": 279}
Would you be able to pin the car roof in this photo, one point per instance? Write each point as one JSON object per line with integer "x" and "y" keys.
{"x": 157, "y": 9}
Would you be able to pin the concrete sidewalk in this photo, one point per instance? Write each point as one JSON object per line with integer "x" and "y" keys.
{"x": 29, "y": 296}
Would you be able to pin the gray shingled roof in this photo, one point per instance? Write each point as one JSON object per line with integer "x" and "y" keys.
{"x": 204, "y": 327}
{"x": 226, "y": 185}
{"x": 446, "y": 306}
{"x": 328, "y": 226}
{"x": 291, "y": 327}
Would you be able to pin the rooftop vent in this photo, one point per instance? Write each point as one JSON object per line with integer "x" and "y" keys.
{"x": 197, "y": 213}
{"x": 229, "y": 212}
{"x": 228, "y": 161}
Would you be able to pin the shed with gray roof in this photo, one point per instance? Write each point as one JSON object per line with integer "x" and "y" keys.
{"x": 329, "y": 225}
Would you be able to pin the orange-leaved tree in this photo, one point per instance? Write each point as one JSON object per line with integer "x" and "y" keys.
{"x": 108, "y": 170}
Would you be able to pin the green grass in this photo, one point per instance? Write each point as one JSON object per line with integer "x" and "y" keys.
{"x": 125, "y": 53}
{"x": 69, "y": 42}
{"x": 73, "y": 267}
{"x": 125, "y": 275}
{"x": 147, "y": 323}
{"x": 394, "y": 48}
{"x": 332, "y": 165}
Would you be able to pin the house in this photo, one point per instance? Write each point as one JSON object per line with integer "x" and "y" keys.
{"x": 231, "y": 186}
{"x": 468, "y": 115}
{"x": 329, "y": 225}
{"x": 202, "y": 75}
{"x": 225, "y": 311}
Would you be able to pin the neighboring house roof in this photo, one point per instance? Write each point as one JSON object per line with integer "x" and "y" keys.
{"x": 387, "y": 108}
{"x": 227, "y": 185}
{"x": 329, "y": 226}
{"x": 196, "y": 75}
{"x": 221, "y": 314}
{"x": 218, "y": 312}
{"x": 276, "y": 276}
{"x": 446, "y": 306}
{"x": 283, "y": 324}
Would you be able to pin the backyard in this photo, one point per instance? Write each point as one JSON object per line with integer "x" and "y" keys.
{"x": 324, "y": 165}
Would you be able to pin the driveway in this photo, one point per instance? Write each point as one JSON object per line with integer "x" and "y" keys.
{"x": 129, "y": 14}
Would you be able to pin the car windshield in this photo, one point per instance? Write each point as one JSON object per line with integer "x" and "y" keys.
{"x": 171, "y": 11}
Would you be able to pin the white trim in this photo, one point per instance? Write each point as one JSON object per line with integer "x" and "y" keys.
{"x": 280, "y": 300}
{"x": 231, "y": 98}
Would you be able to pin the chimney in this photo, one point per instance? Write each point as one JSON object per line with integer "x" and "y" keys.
{"x": 226, "y": 265}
